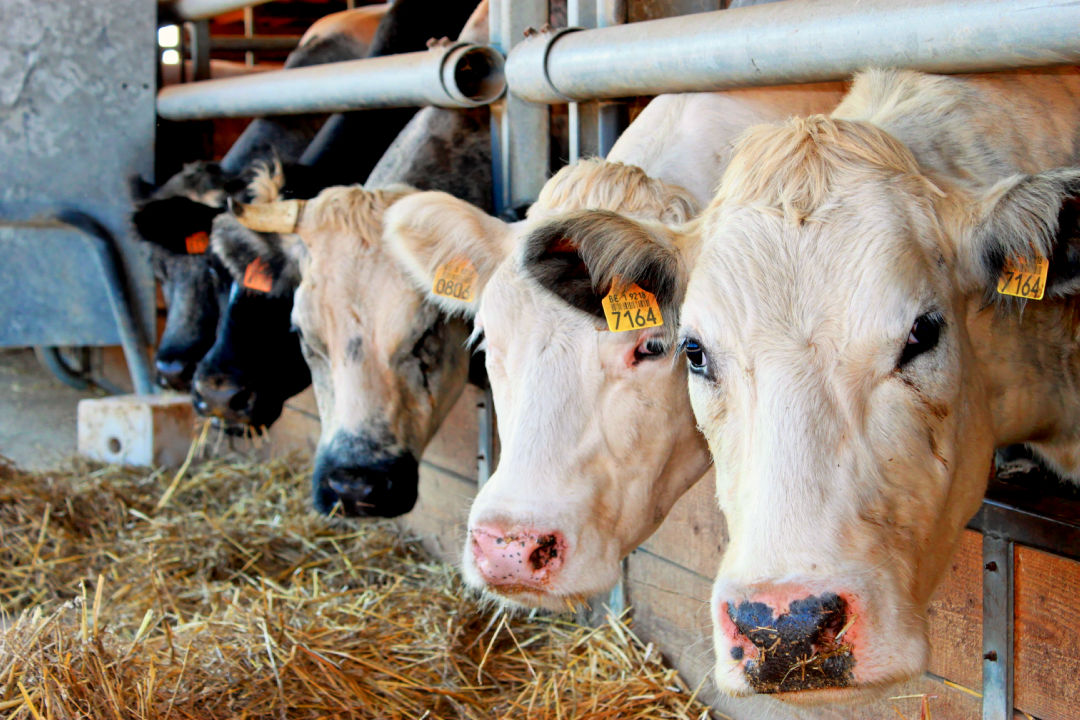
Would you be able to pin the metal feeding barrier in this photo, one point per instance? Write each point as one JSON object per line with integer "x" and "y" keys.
{"x": 601, "y": 58}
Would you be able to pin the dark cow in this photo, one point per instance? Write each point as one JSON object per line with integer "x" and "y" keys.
{"x": 184, "y": 205}
{"x": 255, "y": 364}
{"x": 387, "y": 364}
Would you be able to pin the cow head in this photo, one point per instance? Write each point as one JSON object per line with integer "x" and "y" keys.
{"x": 852, "y": 380}
{"x": 255, "y": 364}
{"x": 386, "y": 364}
{"x": 174, "y": 220}
{"x": 597, "y": 437}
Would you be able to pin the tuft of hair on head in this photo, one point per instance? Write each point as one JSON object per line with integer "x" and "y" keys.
{"x": 266, "y": 180}
{"x": 353, "y": 210}
{"x": 597, "y": 184}
{"x": 794, "y": 167}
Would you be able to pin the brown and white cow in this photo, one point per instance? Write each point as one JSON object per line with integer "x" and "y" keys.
{"x": 853, "y": 367}
{"x": 597, "y": 436}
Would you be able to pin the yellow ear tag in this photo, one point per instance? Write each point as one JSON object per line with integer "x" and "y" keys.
{"x": 455, "y": 279}
{"x": 628, "y": 307}
{"x": 1021, "y": 278}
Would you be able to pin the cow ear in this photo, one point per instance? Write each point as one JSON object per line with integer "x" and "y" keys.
{"x": 436, "y": 236}
{"x": 581, "y": 255}
{"x": 274, "y": 256}
{"x": 1027, "y": 218}
{"x": 169, "y": 223}
{"x": 140, "y": 189}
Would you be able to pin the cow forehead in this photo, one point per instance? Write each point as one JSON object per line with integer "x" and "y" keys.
{"x": 515, "y": 311}
{"x": 349, "y": 286}
{"x": 855, "y": 271}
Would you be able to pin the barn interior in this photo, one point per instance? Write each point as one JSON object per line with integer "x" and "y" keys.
{"x": 158, "y": 563}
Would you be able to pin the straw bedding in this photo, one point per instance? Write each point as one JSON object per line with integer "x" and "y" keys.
{"x": 218, "y": 594}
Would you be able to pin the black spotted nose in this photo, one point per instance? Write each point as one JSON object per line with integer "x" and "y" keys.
{"x": 801, "y": 649}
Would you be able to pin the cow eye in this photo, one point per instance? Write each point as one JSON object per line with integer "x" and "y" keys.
{"x": 695, "y": 356}
{"x": 652, "y": 348}
{"x": 923, "y": 337}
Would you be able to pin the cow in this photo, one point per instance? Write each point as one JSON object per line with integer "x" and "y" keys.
{"x": 597, "y": 436}
{"x": 853, "y": 363}
{"x": 387, "y": 365}
{"x": 194, "y": 286}
{"x": 233, "y": 382}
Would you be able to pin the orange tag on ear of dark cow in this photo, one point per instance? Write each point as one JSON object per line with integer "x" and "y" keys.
{"x": 257, "y": 276}
{"x": 197, "y": 243}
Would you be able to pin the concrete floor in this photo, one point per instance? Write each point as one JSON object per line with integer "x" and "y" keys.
{"x": 37, "y": 412}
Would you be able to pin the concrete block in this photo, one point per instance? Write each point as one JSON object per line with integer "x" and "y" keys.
{"x": 145, "y": 430}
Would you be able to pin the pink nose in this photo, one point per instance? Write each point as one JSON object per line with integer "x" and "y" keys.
{"x": 521, "y": 558}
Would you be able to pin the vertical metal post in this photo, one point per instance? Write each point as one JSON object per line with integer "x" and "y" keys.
{"x": 520, "y": 142}
{"x": 595, "y": 126}
{"x": 520, "y": 132}
{"x": 485, "y": 437}
{"x": 200, "y": 49}
{"x": 997, "y": 666}
{"x": 249, "y": 31}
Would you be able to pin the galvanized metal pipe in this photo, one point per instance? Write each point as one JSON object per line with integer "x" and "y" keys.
{"x": 454, "y": 75}
{"x": 203, "y": 9}
{"x": 792, "y": 42}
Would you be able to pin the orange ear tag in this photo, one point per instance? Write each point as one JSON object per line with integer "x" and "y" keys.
{"x": 197, "y": 243}
{"x": 628, "y": 307}
{"x": 455, "y": 279}
{"x": 1021, "y": 278}
{"x": 257, "y": 276}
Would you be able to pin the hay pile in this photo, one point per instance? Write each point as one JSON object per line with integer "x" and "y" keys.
{"x": 232, "y": 600}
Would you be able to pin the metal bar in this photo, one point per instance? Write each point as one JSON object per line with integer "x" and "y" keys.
{"x": 997, "y": 670}
{"x": 520, "y": 131}
{"x": 239, "y": 43}
{"x": 136, "y": 350}
{"x": 792, "y": 42}
{"x": 455, "y": 75}
{"x": 485, "y": 440}
{"x": 249, "y": 31}
{"x": 1045, "y": 523}
{"x": 204, "y": 9}
{"x": 200, "y": 50}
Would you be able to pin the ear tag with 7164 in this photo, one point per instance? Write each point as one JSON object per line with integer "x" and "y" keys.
{"x": 1021, "y": 278}
{"x": 455, "y": 279}
{"x": 628, "y": 307}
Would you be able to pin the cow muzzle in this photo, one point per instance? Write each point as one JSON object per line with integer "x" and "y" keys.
{"x": 520, "y": 560}
{"x": 384, "y": 488}
{"x": 219, "y": 396}
{"x": 787, "y": 640}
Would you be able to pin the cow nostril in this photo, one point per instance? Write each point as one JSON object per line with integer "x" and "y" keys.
{"x": 547, "y": 549}
{"x": 242, "y": 401}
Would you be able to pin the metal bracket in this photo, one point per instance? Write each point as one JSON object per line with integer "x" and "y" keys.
{"x": 485, "y": 437}
{"x": 997, "y": 666}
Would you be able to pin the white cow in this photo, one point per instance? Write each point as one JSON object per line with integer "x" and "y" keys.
{"x": 597, "y": 436}
{"x": 853, "y": 367}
